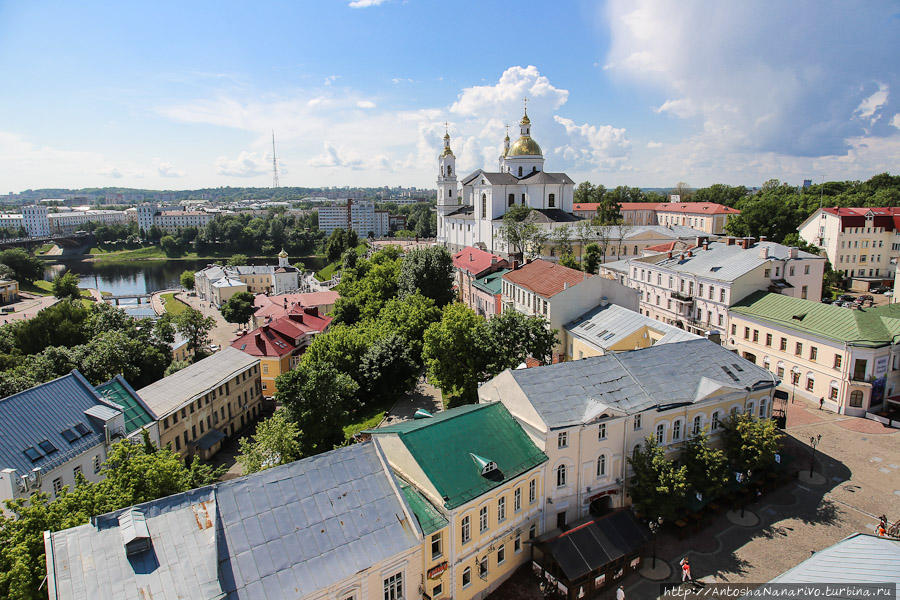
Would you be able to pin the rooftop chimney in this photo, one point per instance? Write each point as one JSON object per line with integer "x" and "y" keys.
{"x": 701, "y": 239}
{"x": 794, "y": 252}
{"x": 706, "y": 244}
{"x": 745, "y": 242}
{"x": 669, "y": 254}
{"x": 689, "y": 253}
{"x": 763, "y": 238}
{"x": 729, "y": 241}
{"x": 764, "y": 252}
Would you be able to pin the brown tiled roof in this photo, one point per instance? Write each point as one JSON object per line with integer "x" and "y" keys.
{"x": 545, "y": 278}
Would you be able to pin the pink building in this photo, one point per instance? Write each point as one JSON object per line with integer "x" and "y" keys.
{"x": 470, "y": 264}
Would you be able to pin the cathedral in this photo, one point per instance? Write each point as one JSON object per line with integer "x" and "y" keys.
{"x": 472, "y": 215}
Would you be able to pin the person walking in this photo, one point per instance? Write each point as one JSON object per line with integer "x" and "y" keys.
{"x": 821, "y": 402}
{"x": 620, "y": 593}
{"x": 686, "y": 570}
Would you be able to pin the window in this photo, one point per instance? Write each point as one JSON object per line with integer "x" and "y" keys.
{"x": 749, "y": 409}
{"x": 762, "y": 408}
{"x": 512, "y": 200}
{"x": 756, "y": 335}
{"x": 715, "y": 420}
{"x": 798, "y": 349}
{"x": 483, "y": 519}
{"x": 465, "y": 528}
{"x": 833, "y": 391}
{"x": 768, "y": 339}
{"x": 517, "y": 544}
{"x": 532, "y": 491}
{"x": 660, "y": 433}
{"x": 767, "y": 273}
{"x": 637, "y": 422}
{"x": 561, "y": 476}
{"x": 733, "y": 329}
{"x": 804, "y": 291}
{"x": 837, "y": 361}
{"x": 601, "y": 466}
{"x": 601, "y": 431}
{"x": 517, "y": 500}
{"x": 783, "y": 345}
{"x": 483, "y": 567}
{"x": 856, "y": 398}
{"x": 809, "y": 383}
{"x": 393, "y": 587}
{"x": 562, "y": 440}
{"x": 467, "y": 577}
{"x": 57, "y": 487}
{"x": 501, "y": 510}
{"x": 792, "y": 271}
{"x": 676, "y": 430}
{"x": 483, "y": 206}
{"x": 806, "y": 270}
{"x": 436, "y": 546}
{"x": 76, "y": 472}
{"x": 551, "y": 201}
{"x": 722, "y": 295}
{"x": 813, "y": 352}
{"x": 532, "y": 532}
{"x": 501, "y": 554}
{"x": 437, "y": 590}
{"x": 96, "y": 463}
{"x": 698, "y": 421}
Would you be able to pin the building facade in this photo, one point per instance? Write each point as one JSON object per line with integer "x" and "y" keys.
{"x": 35, "y": 221}
{"x": 170, "y": 220}
{"x": 9, "y": 291}
{"x": 469, "y": 264}
{"x": 694, "y": 289}
{"x": 356, "y": 215}
{"x": 846, "y": 357}
{"x": 708, "y": 217}
{"x": 206, "y": 402}
{"x": 216, "y": 284}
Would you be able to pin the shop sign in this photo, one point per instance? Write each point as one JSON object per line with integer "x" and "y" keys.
{"x": 437, "y": 570}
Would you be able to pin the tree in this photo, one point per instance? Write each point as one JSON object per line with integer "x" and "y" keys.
{"x": 24, "y": 266}
{"x": 113, "y": 352}
{"x": 562, "y": 239}
{"x": 592, "y": 257}
{"x": 514, "y": 337}
{"x": 794, "y": 239}
{"x": 66, "y": 286}
{"x": 535, "y": 239}
{"x": 583, "y": 232}
{"x": 336, "y": 245}
{"x": 187, "y": 280}
{"x": 175, "y": 366}
{"x": 239, "y": 308}
{"x": 457, "y": 353}
{"x": 428, "y": 271}
{"x": 275, "y": 442}
{"x": 750, "y": 444}
{"x": 169, "y": 245}
{"x": 318, "y": 398}
{"x": 155, "y": 234}
{"x": 407, "y": 317}
{"x": 388, "y": 369}
{"x": 719, "y": 193}
{"x": 195, "y": 328}
{"x": 657, "y": 486}
{"x": 567, "y": 260}
{"x": 707, "y": 467}
{"x": 683, "y": 191}
{"x": 519, "y": 231}
{"x": 238, "y": 260}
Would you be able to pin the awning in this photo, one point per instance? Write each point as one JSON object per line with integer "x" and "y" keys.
{"x": 210, "y": 439}
{"x": 594, "y": 544}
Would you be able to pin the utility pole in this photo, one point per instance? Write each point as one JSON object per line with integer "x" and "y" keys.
{"x": 274, "y": 163}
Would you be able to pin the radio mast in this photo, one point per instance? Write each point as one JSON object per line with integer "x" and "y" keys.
{"x": 274, "y": 163}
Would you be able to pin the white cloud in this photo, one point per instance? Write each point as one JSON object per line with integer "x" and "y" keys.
{"x": 895, "y": 121}
{"x": 111, "y": 171}
{"x": 247, "y": 164}
{"x": 397, "y": 80}
{"x": 365, "y": 104}
{"x": 652, "y": 144}
{"x": 868, "y": 107}
{"x": 333, "y": 158}
{"x": 603, "y": 146}
{"x": 331, "y": 79}
{"x": 365, "y": 3}
{"x": 505, "y": 97}
{"x": 167, "y": 169}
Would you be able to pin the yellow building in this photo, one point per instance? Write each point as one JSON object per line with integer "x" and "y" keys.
{"x": 9, "y": 291}
{"x": 472, "y": 477}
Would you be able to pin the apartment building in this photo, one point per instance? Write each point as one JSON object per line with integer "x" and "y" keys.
{"x": 357, "y": 215}
{"x": 589, "y": 415}
{"x": 35, "y": 221}
{"x": 487, "y": 294}
{"x": 560, "y": 294}
{"x": 469, "y": 264}
{"x": 206, "y": 402}
{"x": 9, "y": 291}
{"x": 71, "y": 221}
{"x": 170, "y": 220}
{"x": 708, "y": 217}
{"x": 611, "y": 328}
{"x": 862, "y": 243}
{"x": 216, "y": 284}
{"x": 280, "y": 343}
{"x": 694, "y": 289}
{"x": 332, "y": 526}
{"x": 55, "y": 431}
{"x": 477, "y": 476}
{"x": 848, "y": 357}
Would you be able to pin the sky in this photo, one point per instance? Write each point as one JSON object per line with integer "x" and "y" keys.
{"x": 179, "y": 95}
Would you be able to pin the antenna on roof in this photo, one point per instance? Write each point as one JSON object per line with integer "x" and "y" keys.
{"x": 274, "y": 163}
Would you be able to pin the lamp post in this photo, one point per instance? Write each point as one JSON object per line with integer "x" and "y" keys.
{"x": 813, "y": 441}
{"x": 654, "y": 528}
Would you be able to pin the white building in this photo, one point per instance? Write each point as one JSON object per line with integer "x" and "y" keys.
{"x": 35, "y": 219}
{"x": 170, "y": 220}
{"x": 216, "y": 284}
{"x": 71, "y": 221}
{"x": 474, "y": 215}
{"x": 11, "y": 221}
{"x": 862, "y": 243}
{"x": 693, "y": 289}
{"x": 357, "y": 215}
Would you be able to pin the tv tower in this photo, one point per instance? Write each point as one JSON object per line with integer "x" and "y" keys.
{"x": 274, "y": 163}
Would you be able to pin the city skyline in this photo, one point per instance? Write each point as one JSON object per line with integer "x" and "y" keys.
{"x": 620, "y": 93}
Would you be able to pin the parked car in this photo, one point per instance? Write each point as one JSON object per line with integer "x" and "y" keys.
{"x": 827, "y": 300}
{"x": 846, "y": 297}
{"x": 866, "y": 298}
{"x": 889, "y": 293}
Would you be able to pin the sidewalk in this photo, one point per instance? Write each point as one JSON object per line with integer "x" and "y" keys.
{"x": 224, "y": 332}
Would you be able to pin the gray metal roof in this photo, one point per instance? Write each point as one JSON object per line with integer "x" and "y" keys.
{"x": 673, "y": 232}
{"x": 282, "y": 533}
{"x": 568, "y": 393}
{"x": 606, "y": 326}
{"x": 170, "y": 393}
{"x": 545, "y": 177}
{"x": 43, "y": 413}
{"x": 858, "y": 559}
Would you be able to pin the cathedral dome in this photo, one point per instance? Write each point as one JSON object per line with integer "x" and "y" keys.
{"x": 524, "y": 146}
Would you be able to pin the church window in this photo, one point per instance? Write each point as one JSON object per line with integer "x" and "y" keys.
{"x": 523, "y": 199}
{"x": 450, "y": 193}
{"x": 483, "y": 206}
{"x": 534, "y": 169}
{"x": 520, "y": 171}
{"x": 449, "y": 170}
{"x": 512, "y": 199}
{"x": 551, "y": 202}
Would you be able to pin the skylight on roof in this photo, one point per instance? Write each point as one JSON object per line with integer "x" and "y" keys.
{"x": 730, "y": 374}
{"x": 32, "y": 454}
{"x": 82, "y": 429}
{"x": 714, "y": 269}
{"x": 47, "y": 447}
{"x": 69, "y": 435}
{"x": 737, "y": 367}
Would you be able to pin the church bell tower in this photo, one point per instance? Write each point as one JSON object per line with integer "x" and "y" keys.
{"x": 447, "y": 190}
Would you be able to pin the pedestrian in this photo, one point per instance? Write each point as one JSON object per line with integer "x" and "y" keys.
{"x": 686, "y": 570}
{"x": 821, "y": 402}
{"x": 620, "y": 593}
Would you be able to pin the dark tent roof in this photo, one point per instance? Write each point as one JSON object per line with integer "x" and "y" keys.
{"x": 595, "y": 543}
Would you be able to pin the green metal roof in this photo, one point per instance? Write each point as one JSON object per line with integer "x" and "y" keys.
{"x": 117, "y": 390}
{"x": 870, "y": 327}
{"x": 492, "y": 282}
{"x": 428, "y": 516}
{"x": 442, "y": 447}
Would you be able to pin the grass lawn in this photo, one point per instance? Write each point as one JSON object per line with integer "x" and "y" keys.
{"x": 329, "y": 269}
{"x": 44, "y": 249}
{"x": 173, "y": 306}
{"x": 39, "y": 287}
{"x": 370, "y": 423}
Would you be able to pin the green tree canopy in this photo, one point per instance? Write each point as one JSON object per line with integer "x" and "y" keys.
{"x": 238, "y": 260}
{"x": 592, "y": 257}
{"x": 750, "y": 444}
{"x": 276, "y": 441}
{"x": 187, "y": 280}
{"x": 170, "y": 245}
{"x": 239, "y": 308}
{"x": 658, "y": 486}
{"x": 514, "y": 337}
{"x": 457, "y": 353}
{"x": 428, "y": 271}
{"x": 707, "y": 467}
{"x": 194, "y": 328}
{"x": 24, "y": 266}
{"x": 66, "y": 286}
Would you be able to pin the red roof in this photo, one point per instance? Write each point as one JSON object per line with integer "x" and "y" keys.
{"x": 282, "y": 336}
{"x": 855, "y": 216}
{"x": 277, "y": 306}
{"x": 545, "y": 278}
{"x": 666, "y": 247}
{"x": 476, "y": 261}
{"x": 692, "y": 208}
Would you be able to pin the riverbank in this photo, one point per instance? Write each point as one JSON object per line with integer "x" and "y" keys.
{"x": 155, "y": 253}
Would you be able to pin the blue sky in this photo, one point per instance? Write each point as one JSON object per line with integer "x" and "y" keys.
{"x": 177, "y": 95}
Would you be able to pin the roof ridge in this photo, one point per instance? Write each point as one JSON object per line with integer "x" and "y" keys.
{"x": 69, "y": 374}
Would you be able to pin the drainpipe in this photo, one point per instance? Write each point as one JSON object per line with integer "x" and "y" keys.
{"x": 624, "y": 462}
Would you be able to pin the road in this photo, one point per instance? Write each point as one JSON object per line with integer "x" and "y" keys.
{"x": 224, "y": 332}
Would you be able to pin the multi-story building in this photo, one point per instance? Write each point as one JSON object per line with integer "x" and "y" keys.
{"x": 71, "y": 221}
{"x": 694, "y": 289}
{"x": 58, "y": 430}
{"x": 468, "y": 265}
{"x": 269, "y": 308}
{"x": 357, "y": 215}
{"x": 332, "y": 526}
{"x": 487, "y": 294}
{"x": 170, "y": 220}
{"x": 35, "y": 221}
{"x": 279, "y": 343}
{"x": 9, "y": 291}
{"x": 560, "y": 294}
{"x": 11, "y": 222}
{"x": 206, "y": 402}
{"x": 216, "y": 284}
{"x": 476, "y": 475}
{"x": 708, "y": 217}
{"x": 611, "y": 328}
{"x": 588, "y": 416}
{"x": 848, "y": 357}
{"x": 862, "y": 243}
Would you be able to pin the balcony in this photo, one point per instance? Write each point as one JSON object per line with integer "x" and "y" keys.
{"x": 682, "y": 296}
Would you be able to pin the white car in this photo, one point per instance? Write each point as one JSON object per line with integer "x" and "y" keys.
{"x": 214, "y": 348}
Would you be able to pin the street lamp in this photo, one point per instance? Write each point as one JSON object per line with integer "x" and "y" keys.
{"x": 813, "y": 441}
{"x": 654, "y": 528}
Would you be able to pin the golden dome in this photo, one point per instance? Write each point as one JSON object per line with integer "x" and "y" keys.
{"x": 525, "y": 120}
{"x": 524, "y": 146}
{"x": 282, "y": 254}
{"x": 447, "y": 151}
